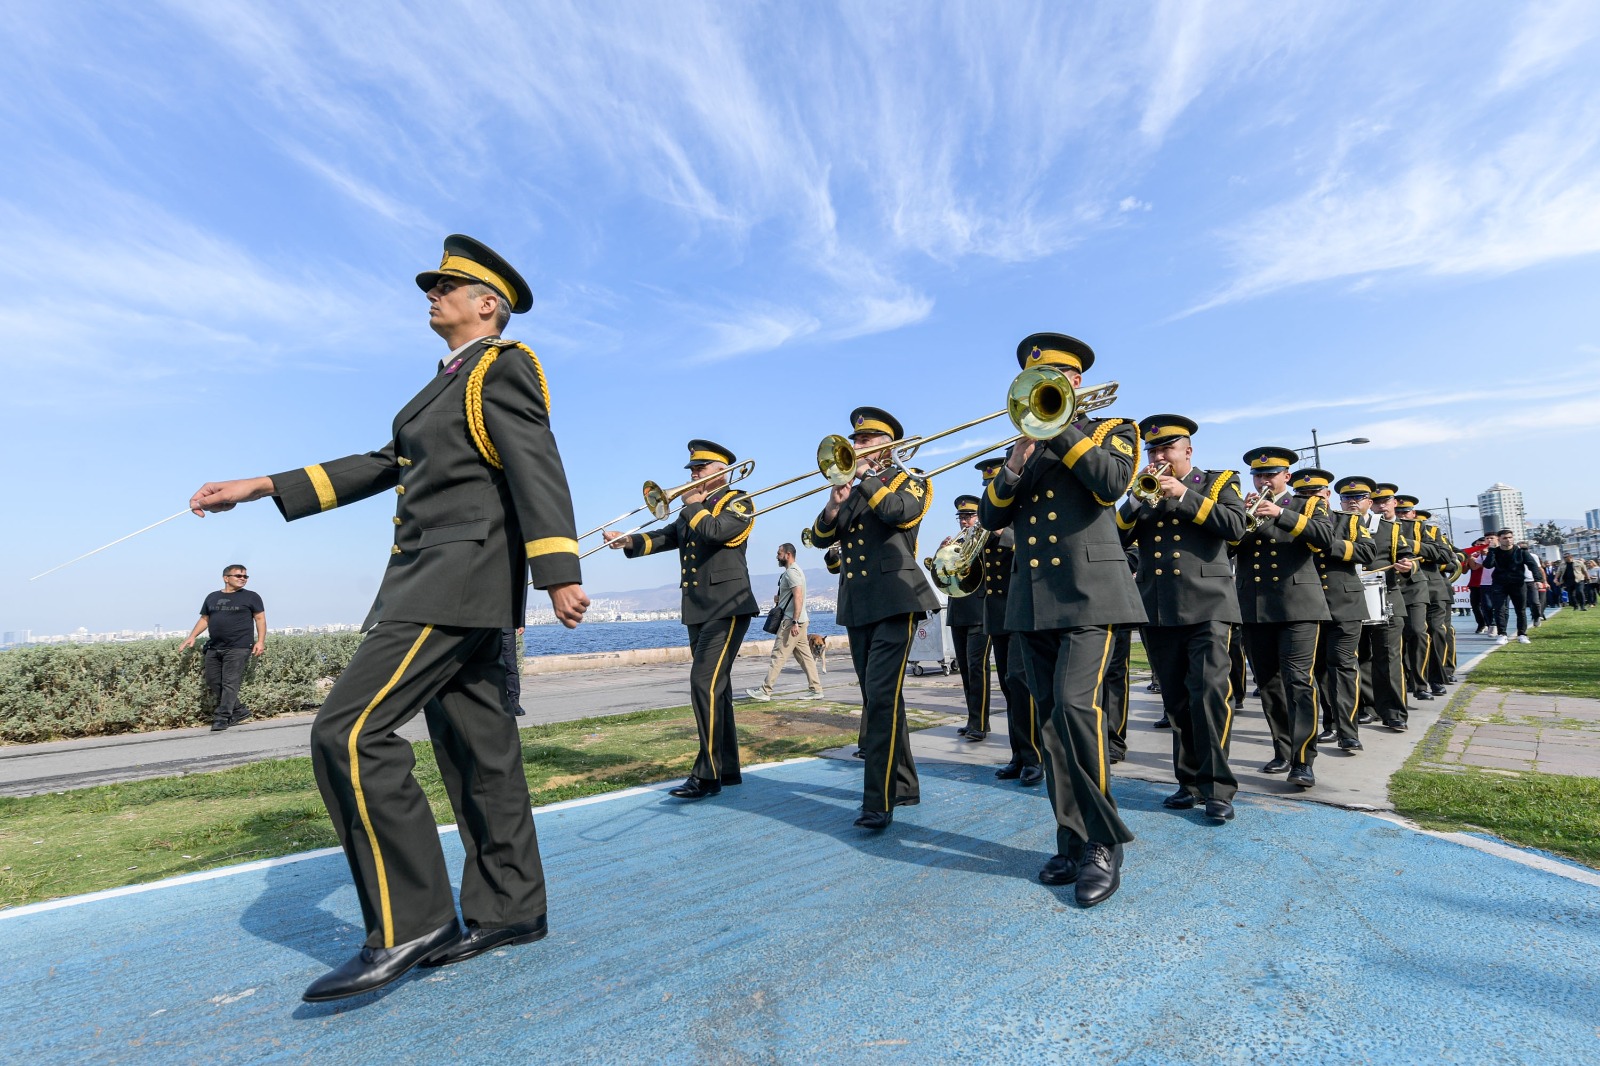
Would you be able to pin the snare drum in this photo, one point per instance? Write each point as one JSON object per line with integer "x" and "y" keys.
{"x": 1375, "y": 592}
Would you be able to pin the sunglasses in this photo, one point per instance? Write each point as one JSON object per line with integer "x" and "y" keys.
{"x": 241, "y": 577}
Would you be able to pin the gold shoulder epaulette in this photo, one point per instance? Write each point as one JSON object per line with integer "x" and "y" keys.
{"x": 475, "y": 424}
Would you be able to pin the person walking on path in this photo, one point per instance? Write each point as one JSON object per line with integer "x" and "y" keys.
{"x": 1571, "y": 573}
{"x": 1510, "y": 565}
{"x": 236, "y": 620}
{"x": 792, "y": 628}
{"x": 482, "y": 511}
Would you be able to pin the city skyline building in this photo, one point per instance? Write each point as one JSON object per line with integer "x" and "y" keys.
{"x": 1500, "y": 506}
{"x": 1591, "y": 519}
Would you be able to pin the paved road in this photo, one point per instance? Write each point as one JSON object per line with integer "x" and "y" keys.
{"x": 761, "y": 927}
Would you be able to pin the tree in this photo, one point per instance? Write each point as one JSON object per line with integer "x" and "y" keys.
{"x": 1547, "y": 533}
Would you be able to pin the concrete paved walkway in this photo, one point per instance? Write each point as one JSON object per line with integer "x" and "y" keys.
{"x": 1523, "y": 731}
{"x": 761, "y": 927}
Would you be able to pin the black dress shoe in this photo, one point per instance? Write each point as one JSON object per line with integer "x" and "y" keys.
{"x": 1255, "y": 693}
{"x": 478, "y": 940}
{"x": 376, "y": 967}
{"x": 875, "y": 820}
{"x": 858, "y": 753}
{"x": 1114, "y": 757}
{"x": 1397, "y": 725}
{"x": 961, "y": 732}
{"x": 1364, "y": 718}
{"x": 1161, "y": 723}
{"x": 693, "y": 788}
{"x": 1439, "y": 690}
{"x": 1421, "y": 695}
{"x": 1154, "y": 686}
{"x": 1449, "y": 679}
{"x": 1276, "y": 766}
{"x": 1180, "y": 800}
{"x": 1099, "y": 873}
{"x": 1349, "y": 744}
{"x": 976, "y": 734}
{"x": 1219, "y": 810}
{"x": 1327, "y": 735}
{"x": 1238, "y": 703}
{"x": 241, "y": 714}
{"x": 1059, "y": 870}
{"x": 908, "y": 801}
{"x": 1300, "y": 774}
{"x": 219, "y": 724}
{"x": 1031, "y": 775}
{"x": 1010, "y": 771}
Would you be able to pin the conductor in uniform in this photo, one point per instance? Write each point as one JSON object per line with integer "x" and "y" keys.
{"x": 1187, "y": 586}
{"x": 881, "y": 596}
{"x": 481, "y": 506}
{"x": 1280, "y": 597}
{"x": 709, "y": 533}
{"x": 1338, "y": 666}
{"x": 1026, "y": 767}
{"x": 1070, "y": 586}
{"x": 965, "y": 619}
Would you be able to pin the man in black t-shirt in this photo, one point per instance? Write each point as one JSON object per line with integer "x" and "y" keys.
{"x": 1510, "y": 565}
{"x": 237, "y": 621}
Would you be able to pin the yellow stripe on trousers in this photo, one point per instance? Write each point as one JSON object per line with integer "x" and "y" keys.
{"x": 984, "y": 713}
{"x": 1311, "y": 676}
{"x": 711, "y": 723}
{"x": 894, "y": 712}
{"x": 1227, "y": 723}
{"x": 361, "y": 797}
{"x": 1100, "y": 713}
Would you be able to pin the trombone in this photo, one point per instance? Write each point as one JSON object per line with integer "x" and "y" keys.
{"x": 1041, "y": 402}
{"x": 658, "y": 501}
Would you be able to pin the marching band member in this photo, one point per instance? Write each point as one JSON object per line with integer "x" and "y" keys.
{"x": 1280, "y": 597}
{"x": 709, "y": 534}
{"x": 1421, "y": 597}
{"x": 1338, "y": 664}
{"x": 881, "y": 596}
{"x": 1183, "y": 538}
{"x": 1070, "y": 586}
{"x": 1380, "y": 651}
{"x": 1022, "y": 713}
{"x": 964, "y": 616}
{"x": 1441, "y": 671}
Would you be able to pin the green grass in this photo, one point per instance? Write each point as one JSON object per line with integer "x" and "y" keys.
{"x": 96, "y": 838}
{"x": 1546, "y": 811}
{"x": 1564, "y": 658}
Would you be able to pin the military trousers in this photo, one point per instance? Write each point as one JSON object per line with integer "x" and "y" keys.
{"x": 1381, "y": 654}
{"x": 1236, "y": 664}
{"x": 1414, "y": 634}
{"x": 1193, "y": 663}
{"x": 880, "y": 651}
{"x": 1284, "y": 655}
{"x": 713, "y": 646}
{"x": 972, "y": 652}
{"x": 1022, "y": 714}
{"x": 1067, "y": 674}
{"x": 1438, "y": 638}
{"x": 1339, "y": 677}
{"x": 1115, "y": 697}
{"x": 453, "y": 675}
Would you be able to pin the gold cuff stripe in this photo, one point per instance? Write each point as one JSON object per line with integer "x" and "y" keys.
{"x": 551, "y": 546}
{"x": 319, "y": 481}
{"x": 699, "y": 516}
{"x": 877, "y": 497}
{"x": 1126, "y": 522}
{"x": 1300, "y": 522}
{"x": 1204, "y": 510}
{"x": 459, "y": 265}
{"x": 994, "y": 497}
{"x": 1077, "y": 451}
{"x": 646, "y": 537}
{"x": 361, "y": 797}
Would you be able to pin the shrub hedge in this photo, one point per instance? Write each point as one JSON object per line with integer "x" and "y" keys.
{"x": 56, "y": 691}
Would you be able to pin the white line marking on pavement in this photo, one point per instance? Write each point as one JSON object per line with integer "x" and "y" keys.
{"x": 1499, "y": 849}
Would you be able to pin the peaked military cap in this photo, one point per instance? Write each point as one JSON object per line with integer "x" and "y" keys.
{"x": 875, "y": 420}
{"x": 708, "y": 451}
{"x": 1405, "y": 503}
{"x": 989, "y": 467}
{"x": 1383, "y": 490}
{"x": 1354, "y": 486}
{"x": 1309, "y": 479}
{"x": 1054, "y": 349}
{"x": 1270, "y": 460}
{"x": 1420, "y": 513}
{"x": 966, "y": 505}
{"x": 1159, "y": 429}
{"x": 476, "y": 261}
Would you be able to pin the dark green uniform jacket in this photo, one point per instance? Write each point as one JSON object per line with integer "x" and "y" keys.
{"x": 1184, "y": 574}
{"x": 1069, "y": 567}
{"x": 481, "y": 496}
{"x": 1418, "y": 585}
{"x": 1388, "y": 545}
{"x": 1352, "y": 547}
{"x": 880, "y": 576}
{"x": 997, "y": 554}
{"x": 710, "y": 538}
{"x": 1275, "y": 570}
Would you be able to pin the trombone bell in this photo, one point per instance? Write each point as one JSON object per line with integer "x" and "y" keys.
{"x": 836, "y": 459}
{"x": 1042, "y": 401}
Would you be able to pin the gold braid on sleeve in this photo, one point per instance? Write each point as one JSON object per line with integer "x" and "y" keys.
{"x": 1101, "y": 432}
{"x": 475, "y": 424}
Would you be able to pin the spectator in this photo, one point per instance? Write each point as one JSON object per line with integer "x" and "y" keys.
{"x": 791, "y": 635}
{"x": 1571, "y": 574}
{"x": 1478, "y": 584}
{"x": 1592, "y": 589}
{"x": 237, "y": 621}
{"x": 1510, "y": 565}
{"x": 1534, "y": 585}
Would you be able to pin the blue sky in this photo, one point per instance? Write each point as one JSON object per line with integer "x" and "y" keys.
{"x": 740, "y": 221}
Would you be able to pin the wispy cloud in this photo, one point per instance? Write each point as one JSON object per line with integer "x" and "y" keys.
{"x": 1548, "y": 34}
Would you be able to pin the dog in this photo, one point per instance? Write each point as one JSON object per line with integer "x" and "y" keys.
{"x": 819, "y": 650}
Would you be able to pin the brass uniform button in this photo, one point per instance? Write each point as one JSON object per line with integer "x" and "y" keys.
{"x": 1050, "y": 494}
{"x": 1158, "y": 555}
{"x": 402, "y": 460}
{"x": 400, "y": 490}
{"x": 1177, "y": 555}
{"x": 1052, "y": 538}
{"x": 395, "y": 550}
{"x": 1158, "y": 572}
{"x": 396, "y": 519}
{"x": 1055, "y": 562}
{"x": 1033, "y": 562}
{"x": 1033, "y": 540}
{"x": 1175, "y": 573}
{"x": 1051, "y": 516}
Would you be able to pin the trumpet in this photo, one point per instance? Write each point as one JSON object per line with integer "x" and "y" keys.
{"x": 955, "y": 567}
{"x": 1147, "y": 485}
{"x": 1252, "y": 520}
{"x": 658, "y": 501}
{"x": 1040, "y": 402}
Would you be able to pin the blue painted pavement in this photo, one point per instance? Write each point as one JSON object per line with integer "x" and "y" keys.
{"x": 761, "y": 927}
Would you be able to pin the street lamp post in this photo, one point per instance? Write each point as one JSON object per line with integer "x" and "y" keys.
{"x": 1317, "y": 446}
